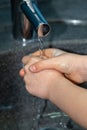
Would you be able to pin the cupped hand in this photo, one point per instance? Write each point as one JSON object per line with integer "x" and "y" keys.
{"x": 69, "y": 64}
{"x": 47, "y": 53}
{"x": 40, "y": 84}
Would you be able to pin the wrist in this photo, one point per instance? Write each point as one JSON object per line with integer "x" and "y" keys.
{"x": 56, "y": 89}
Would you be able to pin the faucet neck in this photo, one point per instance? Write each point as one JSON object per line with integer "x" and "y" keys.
{"x": 27, "y": 17}
{"x": 21, "y": 27}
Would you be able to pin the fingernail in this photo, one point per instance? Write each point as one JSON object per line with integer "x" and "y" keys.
{"x": 32, "y": 68}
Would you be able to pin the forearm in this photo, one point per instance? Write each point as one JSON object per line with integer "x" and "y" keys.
{"x": 72, "y": 100}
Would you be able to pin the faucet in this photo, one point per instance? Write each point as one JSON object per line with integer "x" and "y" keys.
{"x": 27, "y": 19}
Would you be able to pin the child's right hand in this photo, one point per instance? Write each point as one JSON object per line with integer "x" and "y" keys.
{"x": 73, "y": 66}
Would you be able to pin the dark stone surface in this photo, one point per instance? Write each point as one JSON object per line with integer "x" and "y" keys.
{"x": 64, "y": 9}
{"x": 18, "y": 109}
{"x": 16, "y": 103}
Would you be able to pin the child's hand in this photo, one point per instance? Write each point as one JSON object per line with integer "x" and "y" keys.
{"x": 48, "y": 53}
{"x": 40, "y": 84}
{"x": 73, "y": 66}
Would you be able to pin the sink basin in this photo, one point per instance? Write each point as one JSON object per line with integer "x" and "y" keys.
{"x": 18, "y": 109}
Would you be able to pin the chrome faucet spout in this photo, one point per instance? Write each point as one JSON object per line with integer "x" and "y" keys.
{"x": 34, "y": 15}
{"x": 26, "y": 17}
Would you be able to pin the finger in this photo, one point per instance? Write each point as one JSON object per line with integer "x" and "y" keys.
{"x": 49, "y": 53}
{"x": 37, "y": 53}
{"x": 22, "y": 72}
{"x": 51, "y": 63}
{"x": 25, "y": 59}
{"x": 46, "y": 52}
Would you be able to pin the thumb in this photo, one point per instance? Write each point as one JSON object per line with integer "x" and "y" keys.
{"x": 41, "y": 65}
{"x": 52, "y": 63}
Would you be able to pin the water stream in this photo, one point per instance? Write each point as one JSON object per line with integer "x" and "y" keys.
{"x": 40, "y": 111}
{"x": 41, "y": 47}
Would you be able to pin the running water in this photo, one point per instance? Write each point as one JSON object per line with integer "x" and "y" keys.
{"x": 41, "y": 47}
{"x": 40, "y": 110}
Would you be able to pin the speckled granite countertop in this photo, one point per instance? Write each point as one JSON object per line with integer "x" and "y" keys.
{"x": 18, "y": 109}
